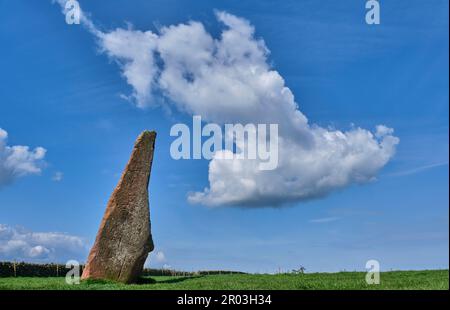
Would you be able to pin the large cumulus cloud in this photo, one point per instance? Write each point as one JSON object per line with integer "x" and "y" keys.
{"x": 229, "y": 80}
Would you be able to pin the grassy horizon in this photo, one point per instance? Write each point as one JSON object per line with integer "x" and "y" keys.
{"x": 392, "y": 280}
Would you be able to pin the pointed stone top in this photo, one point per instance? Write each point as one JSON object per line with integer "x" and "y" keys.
{"x": 146, "y": 134}
{"x": 145, "y": 137}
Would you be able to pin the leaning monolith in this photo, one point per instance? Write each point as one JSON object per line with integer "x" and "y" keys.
{"x": 124, "y": 238}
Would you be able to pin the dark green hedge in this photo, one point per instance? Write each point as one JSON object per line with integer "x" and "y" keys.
{"x": 167, "y": 272}
{"x": 12, "y": 269}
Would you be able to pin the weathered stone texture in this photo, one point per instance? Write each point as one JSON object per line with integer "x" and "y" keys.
{"x": 124, "y": 238}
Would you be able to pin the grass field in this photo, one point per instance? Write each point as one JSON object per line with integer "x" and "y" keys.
{"x": 395, "y": 280}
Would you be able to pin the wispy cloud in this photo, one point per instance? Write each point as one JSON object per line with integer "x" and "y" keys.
{"x": 417, "y": 169}
{"x": 20, "y": 244}
{"x": 324, "y": 220}
{"x": 58, "y": 176}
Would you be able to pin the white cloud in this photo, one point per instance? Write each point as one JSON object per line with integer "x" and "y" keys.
{"x": 18, "y": 160}
{"x": 133, "y": 50}
{"x": 324, "y": 220}
{"x": 335, "y": 160}
{"x": 39, "y": 251}
{"x": 58, "y": 176}
{"x": 22, "y": 245}
{"x": 160, "y": 257}
{"x": 156, "y": 259}
{"x": 229, "y": 80}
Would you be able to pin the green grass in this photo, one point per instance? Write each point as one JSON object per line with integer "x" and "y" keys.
{"x": 397, "y": 280}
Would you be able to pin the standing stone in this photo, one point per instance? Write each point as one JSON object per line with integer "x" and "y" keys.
{"x": 124, "y": 238}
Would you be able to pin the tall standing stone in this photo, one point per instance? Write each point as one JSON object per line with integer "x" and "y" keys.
{"x": 124, "y": 238}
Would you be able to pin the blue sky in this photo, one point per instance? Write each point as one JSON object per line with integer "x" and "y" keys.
{"x": 60, "y": 92}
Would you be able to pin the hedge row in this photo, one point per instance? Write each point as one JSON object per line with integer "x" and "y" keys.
{"x": 13, "y": 269}
{"x": 168, "y": 272}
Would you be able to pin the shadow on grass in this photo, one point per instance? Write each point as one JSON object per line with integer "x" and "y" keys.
{"x": 177, "y": 280}
{"x": 140, "y": 281}
{"x": 98, "y": 281}
{"x": 145, "y": 280}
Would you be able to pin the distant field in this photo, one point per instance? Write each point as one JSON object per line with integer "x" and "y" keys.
{"x": 395, "y": 280}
